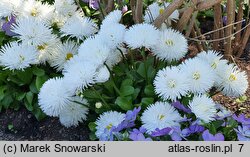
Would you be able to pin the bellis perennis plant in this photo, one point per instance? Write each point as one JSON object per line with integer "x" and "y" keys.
{"x": 129, "y": 82}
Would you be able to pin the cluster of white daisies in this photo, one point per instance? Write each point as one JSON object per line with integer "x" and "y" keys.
{"x": 85, "y": 64}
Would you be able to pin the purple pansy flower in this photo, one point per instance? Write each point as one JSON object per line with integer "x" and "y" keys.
{"x": 138, "y": 135}
{"x": 180, "y": 106}
{"x": 94, "y": 4}
{"x": 192, "y": 129}
{"x": 6, "y": 27}
{"x": 243, "y": 133}
{"x": 210, "y": 137}
{"x": 242, "y": 119}
{"x": 129, "y": 119}
{"x": 161, "y": 132}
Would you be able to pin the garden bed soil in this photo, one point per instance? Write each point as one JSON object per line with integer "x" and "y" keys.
{"x": 22, "y": 125}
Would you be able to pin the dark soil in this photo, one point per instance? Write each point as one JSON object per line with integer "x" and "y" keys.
{"x": 22, "y": 125}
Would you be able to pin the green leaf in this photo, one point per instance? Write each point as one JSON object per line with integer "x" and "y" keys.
{"x": 38, "y": 72}
{"x": 136, "y": 93}
{"x": 149, "y": 90}
{"x": 127, "y": 82}
{"x": 2, "y": 91}
{"x": 40, "y": 80}
{"x": 7, "y": 100}
{"x": 25, "y": 76}
{"x": 141, "y": 70}
{"x": 92, "y": 126}
{"x": 147, "y": 101}
{"x": 92, "y": 136}
{"x": 90, "y": 94}
{"x": 33, "y": 88}
{"x": 127, "y": 90}
{"x": 38, "y": 112}
{"x": 125, "y": 103}
{"x": 20, "y": 96}
{"x": 29, "y": 97}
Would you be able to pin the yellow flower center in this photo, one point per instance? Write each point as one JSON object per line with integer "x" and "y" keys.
{"x": 169, "y": 42}
{"x": 34, "y": 12}
{"x": 171, "y": 84}
{"x": 196, "y": 76}
{"x": 232, "y": 77}
{"x": 69, "y": 56}
{"x": 42, "y": 47}
{"x": 109, "y": 126}
{"x": 161, "y": 11}
{"x": 161, "y": 117}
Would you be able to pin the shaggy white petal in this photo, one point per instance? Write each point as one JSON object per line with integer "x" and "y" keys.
{"x": 102, "y": 75}
{"x": 154, "y": 10}
{"x": 9, "y": 7}
{"x": 32, "y": 31}
{"x": 200, "y": 76}
{"x": 142, "y": 35}
{"x": 54, "y": 97}
{"x": 17, "y": 56}
{"x": 204, "y": 108}
{"x": 172, "y": 45}
{"x": 36, "y": 9}
{"x": 74, "y": 113}
{"x": 112, "y": 35}
{"x": 79, "y": 27}
{"x": 160, "y": 115}
{"x": 171, "y": 84}
{"x": 107, "y": 120}
{"x": 65, "y": 52}
{"x": 113, "y": 17}
{"x": 94, "y": 50}
{"x": 79, "y": 74}
{"x": 232, "y": 81}
{"x": 65, "y": 8}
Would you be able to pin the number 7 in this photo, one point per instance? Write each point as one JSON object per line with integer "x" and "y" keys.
{"x": 241, "y": 146}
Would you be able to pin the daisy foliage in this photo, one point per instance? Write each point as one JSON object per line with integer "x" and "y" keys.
{"x": 129, "y": 82}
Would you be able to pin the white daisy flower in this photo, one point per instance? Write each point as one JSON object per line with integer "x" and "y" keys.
{"x": 54, "y": 97}
{"x": 199, "y": 75}
{"x": 57, "y": 20}
{"x": 9, "y": 7}
{"x": 154, "y": 10}
{"x": 65, "y": 8}
{"x": 48, "y": 49}
{"x": 74, "y": 113}
{"x": 65, "y": 52}
{"x": 36, "y": 9}
{"x": 160, "y": 115}
{"x": 112, "y": 35}
{"x": 32, "y": 31}
{"x": 102, "y": 75}
{"x": 213, "y": 58}
{"x": 17, "y": 56}
{"x": 142, "y": 35}
{"x": 170, "y": 83}
{"x": 79, "y": 27}
{"x": 94, "y": 50}
{"x": 78, "y": 74}
{"x": 113, "y": 17}
{"x": 204, "y": 108}
{"x": 115, "y": 56}
{"x": 172, "y": 45}
{"x": 232, "y": 81}
{"x": 107, "y": 120}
